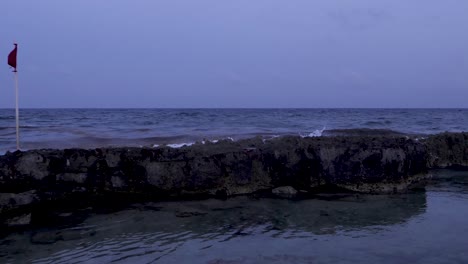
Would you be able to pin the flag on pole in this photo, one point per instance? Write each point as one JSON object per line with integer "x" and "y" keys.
{"x": 12, "y": 63}
{"x": 12, "y": 57}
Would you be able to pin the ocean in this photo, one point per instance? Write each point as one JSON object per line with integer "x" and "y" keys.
{"x": 91, "y": 128}
{"x": 425, "y": 225}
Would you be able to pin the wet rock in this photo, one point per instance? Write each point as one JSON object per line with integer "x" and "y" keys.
{"x": 230, "y": 168}
{"x": 189, "y": 214}
{"x": 152, "y": 207}
{"x": 9, "y": 201}
{"x": 21, "y": 220}
{"x": 284, "y": 191}
{"x": 51, "y": 236}
{"x": 46, "y": 237}
{"x": 32, "y": 164}
{"x": 362, "y": 132}
{"x": 67, "y": 214}
{"x": 369, "y": 161}
{"x": 75, "y": 234}
{"x": 447, "y": 150}
{"x": 117, "y": 182}
{"x": 79, "y": 178}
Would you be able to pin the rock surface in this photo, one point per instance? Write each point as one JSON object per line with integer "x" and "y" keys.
{"x": 448, "y": 150}
{"x": 370, "y": 164}
{"x": 284, "y": 191}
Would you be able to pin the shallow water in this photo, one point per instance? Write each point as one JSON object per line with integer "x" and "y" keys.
{"x": 417, "y": 227}
{"x": 88, "y": 128}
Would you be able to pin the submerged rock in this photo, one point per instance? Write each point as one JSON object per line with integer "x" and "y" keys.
{"x": 189, "y": 214}
{"x": 20, "y": 220}
{"x": 284, "y": 191}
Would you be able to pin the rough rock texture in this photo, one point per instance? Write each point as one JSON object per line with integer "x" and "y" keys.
{"x": 9, "y": 201}
{"x": 448, "y": 150}
{"x": 371, "y": 164}
{"x": 231, "y": 167}
{"x": 284, "y": 191}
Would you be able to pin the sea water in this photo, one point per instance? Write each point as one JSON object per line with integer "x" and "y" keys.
{"x": 422, "y": 226}
{"x": 90, "y": 128}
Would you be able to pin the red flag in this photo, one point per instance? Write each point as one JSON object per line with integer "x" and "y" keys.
{"x": 12, "y": 57}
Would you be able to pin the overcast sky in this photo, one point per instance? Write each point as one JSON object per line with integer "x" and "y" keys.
{"x": 242, "y": 53}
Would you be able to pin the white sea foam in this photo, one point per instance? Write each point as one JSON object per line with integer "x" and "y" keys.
{"x": 316, "y": 133}
{"x": 155, "y": 145}
{"x": 179, "y": 145}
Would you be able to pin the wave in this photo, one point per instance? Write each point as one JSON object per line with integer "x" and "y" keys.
{"x": 21, "y": 127}
{"x": 317, "y": 132}
{"x": 179, "y": 145}
{"x": 362, "y": 132}
{"x": 177, "y": 141}
{"x": 377, "y": 123}
{"x": 7, "y": 134}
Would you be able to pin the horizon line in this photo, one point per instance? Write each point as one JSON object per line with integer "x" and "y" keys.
{"x": 240, "y": 108}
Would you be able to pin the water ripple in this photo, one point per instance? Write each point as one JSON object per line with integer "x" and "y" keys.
{"x": 362, "y": 228}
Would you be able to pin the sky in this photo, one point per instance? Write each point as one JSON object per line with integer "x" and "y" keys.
{"x": 242, "y": 53}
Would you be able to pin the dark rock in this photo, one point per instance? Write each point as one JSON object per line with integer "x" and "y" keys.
{"x": 79, "y": 178}
{"x": 189, "y": 214}
{"x": 46, "y": 237}
{"x": 362, "y": 132}
{"x": 447, "y": 150}
{"x": 284, "y": 191}
{"x": 75, "y": 234}
{"x": 9, "y": 201}
{"x": 21, "y": 220}
{"x": 369, "y": 161}
{"x": 32, "y": 164}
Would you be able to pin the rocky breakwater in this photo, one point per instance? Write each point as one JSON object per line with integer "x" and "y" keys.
{"x": 448, "y": 150}
{"x": 33, "y": 181}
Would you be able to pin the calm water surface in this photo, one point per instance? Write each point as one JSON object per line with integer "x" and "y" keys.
{"x": 418, "y": 227}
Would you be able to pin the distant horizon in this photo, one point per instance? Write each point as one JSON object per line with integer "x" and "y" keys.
{"x": 240, "y": 108}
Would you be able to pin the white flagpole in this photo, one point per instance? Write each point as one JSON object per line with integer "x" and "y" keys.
{"x": 17, "y": 111}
